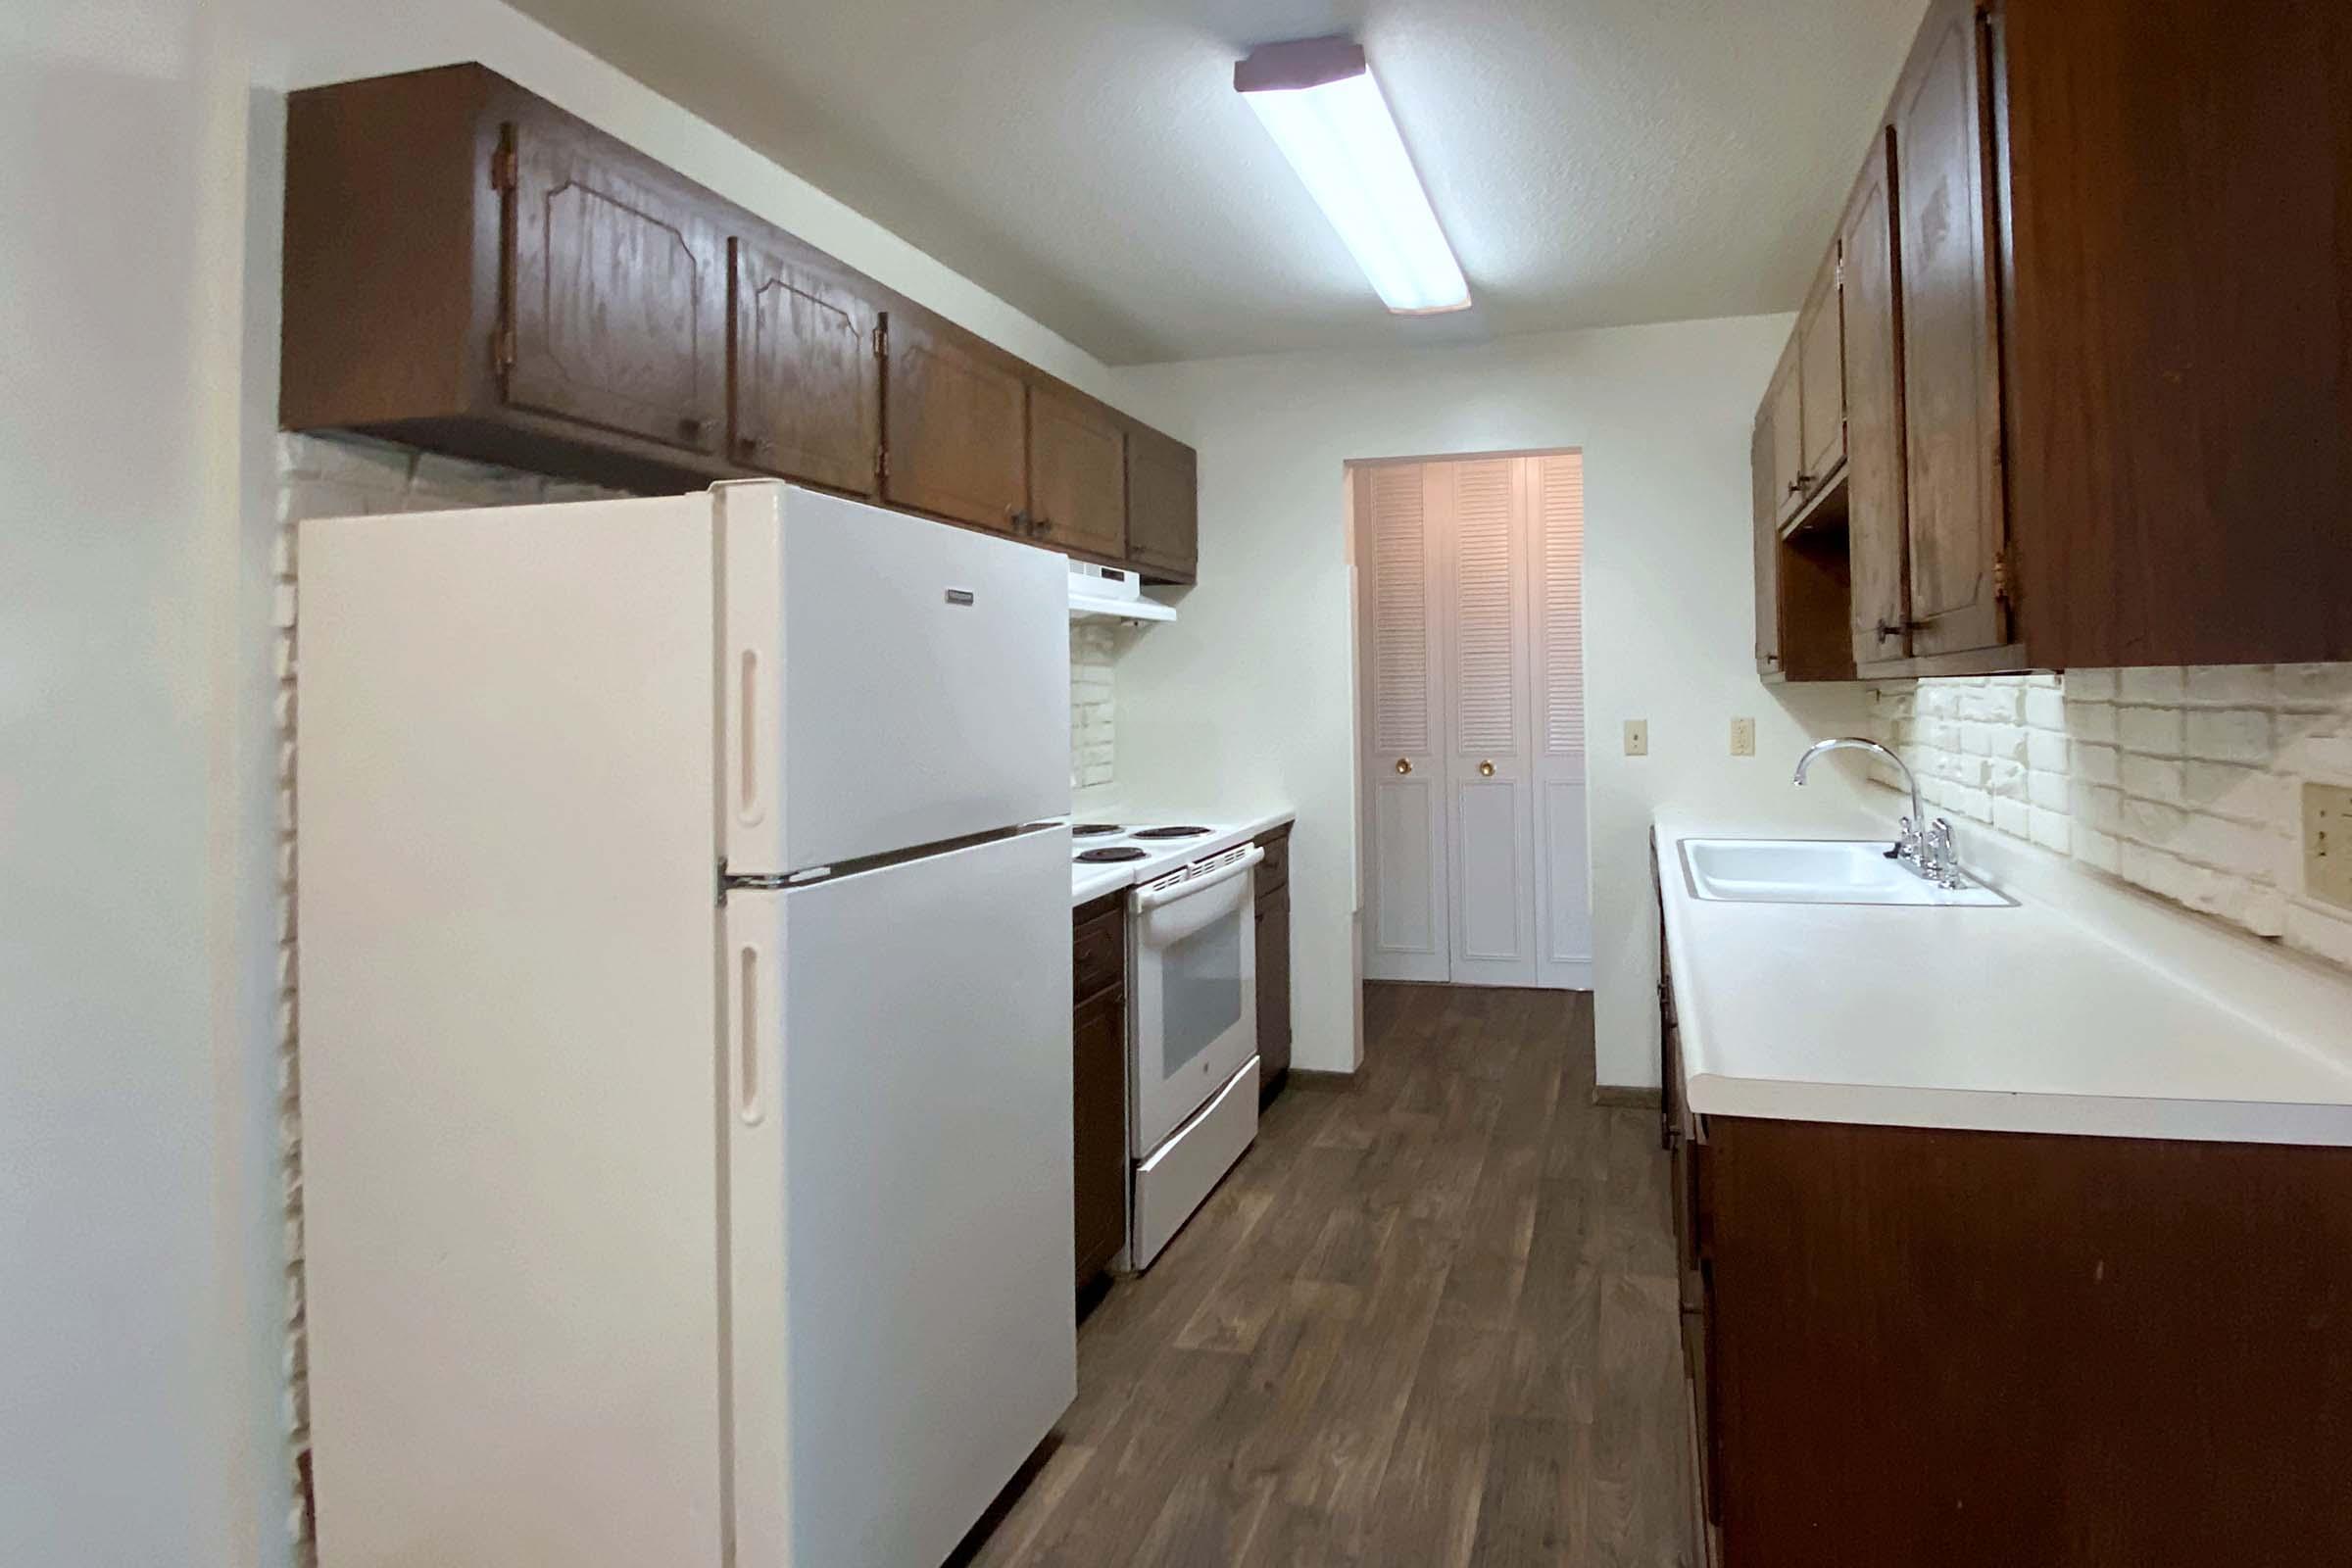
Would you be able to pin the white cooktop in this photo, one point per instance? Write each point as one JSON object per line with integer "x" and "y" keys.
{"x": 1161, "y": 852}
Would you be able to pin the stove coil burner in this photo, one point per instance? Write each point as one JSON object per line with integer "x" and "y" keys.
{"x": 1117, "y": 852}
{"x": 1093, "y": 830}
{"x": 1167, "y": 832}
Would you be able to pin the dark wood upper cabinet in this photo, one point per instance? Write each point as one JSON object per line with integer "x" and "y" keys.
{"x": 1077, "y": 474}
{"x": 469, "y": 270}
{"x": 617, "y": 292}
{"x": 1821, "y": 376}
{"x": 2180, "y": 327}
{"x": 807, "y": 370}
{"x": 1164, "y": 507}
{"x": 956, "y": 420}
{"x": 1874, "y": 415}
{"x": 1951, "y": 357}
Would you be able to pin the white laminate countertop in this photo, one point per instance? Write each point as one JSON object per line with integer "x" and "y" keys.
{"x": 1091, "y": 882}
{"x": 2088, "y": 1008}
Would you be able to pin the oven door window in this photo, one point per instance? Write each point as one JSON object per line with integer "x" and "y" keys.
{"x": 1201, "y": 992}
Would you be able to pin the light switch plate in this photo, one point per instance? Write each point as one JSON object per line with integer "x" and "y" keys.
{"x": 1744, "y": 737}
{"x": 2327, "y": 844}
{"x": 1636, "y": 737}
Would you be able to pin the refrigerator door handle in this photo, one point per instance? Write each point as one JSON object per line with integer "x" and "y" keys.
{"x": 755, "y": 1028}
{"x": 749, "y": 724}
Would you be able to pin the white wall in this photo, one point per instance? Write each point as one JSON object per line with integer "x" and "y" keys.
{"x": 138, "y": 1215}
{"x": 1248, "y": 699}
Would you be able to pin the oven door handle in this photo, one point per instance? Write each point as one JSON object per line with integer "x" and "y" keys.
{"x": 1152, "y": 898}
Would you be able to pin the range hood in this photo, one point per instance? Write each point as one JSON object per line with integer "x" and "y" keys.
{"x": 1108, "y": 593}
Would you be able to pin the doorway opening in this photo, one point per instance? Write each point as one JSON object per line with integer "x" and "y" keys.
{"x": 1470, "y": 658}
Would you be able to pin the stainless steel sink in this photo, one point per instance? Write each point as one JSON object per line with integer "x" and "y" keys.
{"x": 1816, "y": 871}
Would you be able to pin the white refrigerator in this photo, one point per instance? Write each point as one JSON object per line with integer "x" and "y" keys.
{"x": 685, "y": 1030}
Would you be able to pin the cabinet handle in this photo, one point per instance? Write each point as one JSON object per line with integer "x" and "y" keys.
{"x": 1041, "y": 527}
{"x": 1486, "y": 770}
{"x": 1888, "y": 628}
{"x": 1017, "y": 520}
{"x": 1404, "y": 766}
{"x": 692, "y": 428}
{"x": 1798, "y": 484}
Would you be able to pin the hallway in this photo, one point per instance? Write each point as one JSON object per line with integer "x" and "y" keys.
{"x": 1430, "y": 1319}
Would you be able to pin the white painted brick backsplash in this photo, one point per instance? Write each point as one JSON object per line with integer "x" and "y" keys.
{"x": 324, "y": 477}
{"x": 2182, "y": 781}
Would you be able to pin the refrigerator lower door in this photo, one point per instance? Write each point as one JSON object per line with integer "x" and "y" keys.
{"x": 887, "y": 680}
{"x": 902, "y": 1329}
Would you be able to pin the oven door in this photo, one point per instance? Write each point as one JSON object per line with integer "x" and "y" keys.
{"x": 1196, "y": 990}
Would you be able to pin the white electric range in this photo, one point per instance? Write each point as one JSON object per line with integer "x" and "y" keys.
{"x": 1192, "y": 1005}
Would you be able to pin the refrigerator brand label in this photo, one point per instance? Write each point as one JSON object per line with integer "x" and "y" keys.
{"x": 960, "y": 595}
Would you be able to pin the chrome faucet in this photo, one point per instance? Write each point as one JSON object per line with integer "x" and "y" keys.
{"x": 1925, "y": 850}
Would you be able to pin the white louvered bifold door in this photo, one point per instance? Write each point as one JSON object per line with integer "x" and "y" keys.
{"x": 1399, "y": 564}
{"x": 1490, "y": 822}
{"x": 1555, "y": 496}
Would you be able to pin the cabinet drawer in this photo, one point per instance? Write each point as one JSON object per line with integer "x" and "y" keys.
{"x": 1098, "y": 955}
{"x": 1274, "y": 871}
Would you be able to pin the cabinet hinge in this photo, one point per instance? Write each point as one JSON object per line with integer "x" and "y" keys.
{"x": 501, "y": 168}
{"x": 1839, "y": 279}
{"x": 501, "y": 348}
{"x": 882, "y": 339}
{"x": 2004, "y": 583}
{"x": 881, "y": 464}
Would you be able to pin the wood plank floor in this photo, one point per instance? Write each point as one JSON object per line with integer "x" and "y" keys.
{"x": 1429, "y": 1319}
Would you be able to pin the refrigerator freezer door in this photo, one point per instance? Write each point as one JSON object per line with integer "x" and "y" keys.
{"x": 897, "y": 1113}
{"x": 887, "y": 681}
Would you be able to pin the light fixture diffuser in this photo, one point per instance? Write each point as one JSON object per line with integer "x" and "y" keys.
{"x": 1318, "y": 100}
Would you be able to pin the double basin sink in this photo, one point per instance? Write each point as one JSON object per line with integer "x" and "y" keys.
{"x": 1816, "y": 871}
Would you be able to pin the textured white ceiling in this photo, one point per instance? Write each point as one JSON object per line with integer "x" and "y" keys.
{"x": 1594, "y": 162}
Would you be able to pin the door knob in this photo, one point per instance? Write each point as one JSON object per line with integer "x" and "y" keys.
{"x": 1404, "y": 766}
{"x": 1486, "y": 770}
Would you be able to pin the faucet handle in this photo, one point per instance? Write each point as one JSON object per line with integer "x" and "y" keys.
{"x": 1942, "y": 855}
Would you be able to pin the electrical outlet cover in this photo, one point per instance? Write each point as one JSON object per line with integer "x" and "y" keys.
{"x": 1744, "y": 737}
{"x": 2327, "y": 844}
{"x": 1636, "y": 737}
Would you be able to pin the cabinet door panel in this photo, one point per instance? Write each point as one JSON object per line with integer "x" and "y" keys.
{"x": 1098, "y": 1168}
{"x": 1788, "y": 429}
{"x": 617, "y": 302}
{"x": 954, "y": 420}
{"x": 1874, "y": 416}
{"x": 1821, "y": 374}
{"x": 1164, "y": 506}
{"x": 1950, "y": 363}
{"x": 1273, "y": 985}
{"x": 1760, "y": 459}
{"x": 807, "y": 389}
{"x": 1077, "y": 476}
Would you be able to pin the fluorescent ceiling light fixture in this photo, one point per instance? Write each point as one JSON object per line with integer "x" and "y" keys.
{"x": 1317, "y": 99}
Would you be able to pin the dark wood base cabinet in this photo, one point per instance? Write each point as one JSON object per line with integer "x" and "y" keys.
{"x": 1274, "y": 963}
{"x": 1099, "y": 1077}
{"x": 1934, "y": 1348}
